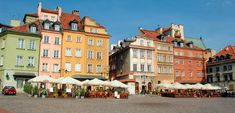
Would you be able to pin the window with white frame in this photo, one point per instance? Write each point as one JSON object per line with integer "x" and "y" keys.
{"x": 176, "y": 73}
{"x": 181, "y": 53}
{"x": 148, "y": 43}
{"x": 69, "y": 38}
{"x": 44, "y": 66}
{"x": 53, "y": 18}
{"x": 33, "y": 29}
{"x": 21, "y": 43}
{"x": 164, "y": 58}
{"x": 142, "y": 42}
{"x": 46, "y": 25}
{"x": 56, "y": 53}
{"x": 142, "y": 67}
{"x": 90, "y": 42}
{"x": 134, "y": 67}
{"x": 46, "y": 39}
{"x": 191, "y": 74}
{"x": 98, "y": 69}
{"x": 99, "y": 43}
{"x": 74, "y": 26}
{"x": 159, "y": 69}
{"x": 78, "y": 52}
{"x": 149, "y": 54}
{"x": 90, "y": 54}
{"x": 79, "y": 39}
{"x": 56, "y": 68}
{"x": 45, "y": 17}
{"x": 142, "y": 53}
{"x": 1, "y": 60}
{"x": 68, "y": 66}
{"x": 165, "y": 69}
{"x": 99, "y": 55}
{"x": 135, "y": 53}
{"x": 45, "y": 53}
{"x": 31, "y": 61}
{"x": 170, "y": 69}
{"x": 159, "y": 57}
{"x": 198, "y": 74}
{"x": 32, "y": 44}
{"x": 149, "y": 68}
{"x": 57, "y": 27}
{"x": 176, "y": 53}
{"x": 159, "y": 47}
{"x": 183, "y": 73}
{"x": 57, "y": 41}
{"x": 91, "y": 30}
{"x": 89, "y": 68}
{"x": 170, "y": 58}
{"x": 96, "y": 30}
{"x": 68, "y": 52}
{"x": 190, "y": 54}
{"x": 77, "y": 67}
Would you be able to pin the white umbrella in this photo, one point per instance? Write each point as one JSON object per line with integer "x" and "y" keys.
{"x": 42, "y": 79}
{"x": 177, "y": 86}
{"x": 85, "y": 82}
{"x": 94, "y": 82}
{"x": 197, "y": 86}
{"x": 69, "y": 80}
{"x": 164, "y": 84}
{"x": 216, "y": 87}
{"x": 207, "y": 86}
{"x": 107, "y": 83}
{"x": 117, "y": 83}
{"x": 188, "y": 86}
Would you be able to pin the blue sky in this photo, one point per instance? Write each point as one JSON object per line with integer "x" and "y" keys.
{"x": 213, "y": 20}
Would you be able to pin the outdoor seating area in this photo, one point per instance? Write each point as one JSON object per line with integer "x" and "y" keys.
{"x": 67, "y": 87}
{"x": 198, "y": 90}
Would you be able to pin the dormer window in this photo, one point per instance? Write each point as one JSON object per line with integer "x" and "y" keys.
{"x": 74, "y": 26}
{"x": 217, "y": 59}
{"x": 57, "y": 27}
{"x": 33, "y": 29}
{"x": 190, "y": 44}
{"x": 175, "y": 43}
{"x": 46, "y": 26}
{"x": 181, "y": 44}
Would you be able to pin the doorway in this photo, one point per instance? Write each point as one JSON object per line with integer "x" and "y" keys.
{"x": 143, "y": 91}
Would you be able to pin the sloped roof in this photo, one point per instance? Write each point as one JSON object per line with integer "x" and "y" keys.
{"x": 25, "y": 27}
{"x": 197, "y": 41}
{"x": 66, "y": 18}
{"x": 227, "y": 50}
{"x": 150, "y": 34}
{"x": 49, "y": 11}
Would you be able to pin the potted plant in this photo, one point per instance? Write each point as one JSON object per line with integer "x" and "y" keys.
{"x": 28, "y": 89}
{"x": 64, "y": 94}
{"x": 35, "y": 92}
{"x": 55, "y": 92}
{"x": 83, "y": 93}
{"x": 44, "y": 92}
{"x": 77, "y": 94}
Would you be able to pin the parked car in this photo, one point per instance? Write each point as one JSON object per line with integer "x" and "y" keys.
{"x": 9, "y": 90}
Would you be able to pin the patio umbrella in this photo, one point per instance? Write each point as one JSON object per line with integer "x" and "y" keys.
{"x": 69, "y": 80}
{"x": 43, "y": 79}
{"x": 177, "y": 86}
{"x": 85, "y": 82}
{"x": 107, "y": 83}
{"x": 188, "y": 86}
{"x": 117, "y": 83}
{"x": 197, "y": 86}
{"x": 164, "y": 84}
{"x": 208, "y": 87}
{"x": 94, "y": 82}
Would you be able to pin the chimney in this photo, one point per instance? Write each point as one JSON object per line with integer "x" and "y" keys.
{"x": 159, "y": 30}
{"x": 59, "y": 9}
{"x": 39, "y": 9}
{"x": 15, "y": 23}
{"x": 75, "y": 12}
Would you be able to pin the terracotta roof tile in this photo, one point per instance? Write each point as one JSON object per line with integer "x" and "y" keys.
{"x": 49, "y": 11}
{"x": 25, "y": 27}
{"x": 150, "y": 34}
{"x": 66, "y": 18}
{"x": 32, "y": 14}
{"x": 227, "y": 50}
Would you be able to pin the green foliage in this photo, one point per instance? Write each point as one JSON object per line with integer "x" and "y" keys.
{"x": 55, "y": 92}
{"x": 83, "y": 92}
{"x": 77, "y": 93}
{"x": 28, "y": 88}
{"x": 35, "y": 90}
{"x": 44, "y": 91}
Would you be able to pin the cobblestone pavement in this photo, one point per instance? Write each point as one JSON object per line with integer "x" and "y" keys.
{"x": 135, "y": 104}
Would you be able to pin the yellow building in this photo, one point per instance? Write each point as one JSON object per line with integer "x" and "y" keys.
{"x": 85, "y": 46}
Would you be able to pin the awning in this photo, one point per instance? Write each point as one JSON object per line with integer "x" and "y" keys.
{"x": 24, "y": 75}
{"x": 87, "y": 77}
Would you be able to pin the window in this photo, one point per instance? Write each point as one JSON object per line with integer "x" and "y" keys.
{"x": 44, "y": 67}
{"x": 159, "y": 57}
{"x": 57, "y": 27}
{"x": 89, "y": 68}
{"x": 46, "y": 25}
{"x": 170, "y": 59}
{"x": 176, "y": 73}
{"x": 45, "y": 17}
{"x": 165, "y": 70}
{"x": 217, "y": 69}
{"x": 46, "y": 39}
{"x": 91, "y": 30}
{"x": 1, "y": 60}
{"x": 56, "y": 68}
{"x": 56, "y": 53}
{"x": 142, "y": 53}
{"x": 31, "y": 61}
{"x": 19, "y": 60}
{"x": 99, "y": 55}
{"x": 176, "y": 53}
{"x": 68, "y": 66}
{"x": 142, "y": 67}
{"x": 134, "y": 67}
{"x": 230, "y": 67}
{"x": 33, "y": 29}
{"x": 90, "y": 42}
{"x": 74, "y": 26}
{"x": 142, "y": 42}
{"x": 164, "y": 58}
{"x": 0, "y": 30}
{"x": 96, "y": 31}
{"x": 77, "y": 67}
{"x": 183, "y": 73}
{"x": 198, "y": 74}
{"x": 182, "y": 62}
{"x": 230, "y": 76}
{"x": 181, "y": 44}
{"x": 90, "y": 54}
{"x": 159, "y": 47}
{"x": 98, "y": 69}
{"x": 191, "y": 74}
{"x": 53, "y": 18}
{"x": 68, "y": 52}
{"x": 78, "y": 52}
{"x": 190, "y": 63}
{"x": 170, "y": 69}
{"x": 69, "y": 38}
{"x": 176, "y": 61}
{"x": 225, "y": 68}
{"x": 210, "y": 70}
{"x": 225, "y": 77}
{"x": 149, "y": 68}
{"x": 190, "y": 54}
{"x": 21, "y": 43}
{"x": 99, "y": 43}
{"x": 149, "y": 54}
{"x": 57, "y": 41}
{"x": 45, "y": 53}
{"x": 169, "y": 48}
{"x": 31, "y": 44}
{"x": 79, "y": 39}
{"x": 19, "y": 83}
{"x": 181, "y": 53}
{"x": 159, "y": 69}
{"x": 135, "y": 53}
{"x": 148, "y": 43}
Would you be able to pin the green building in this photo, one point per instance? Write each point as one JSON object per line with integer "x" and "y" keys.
{"x": 19, "y": 54}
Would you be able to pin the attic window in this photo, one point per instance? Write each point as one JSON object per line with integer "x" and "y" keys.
{"x": 190, "y": 44}
{"x": 57, "y": 28}
{"x": 33, "y": 29}
{"x": 181, "y": 44}
{"x": 46, "y": 25}
{"x": 74, "y": 26}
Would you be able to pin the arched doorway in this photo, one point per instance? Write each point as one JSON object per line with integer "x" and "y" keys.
{"x": 136, "y": 87}
{"x": 149, "y": 86}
